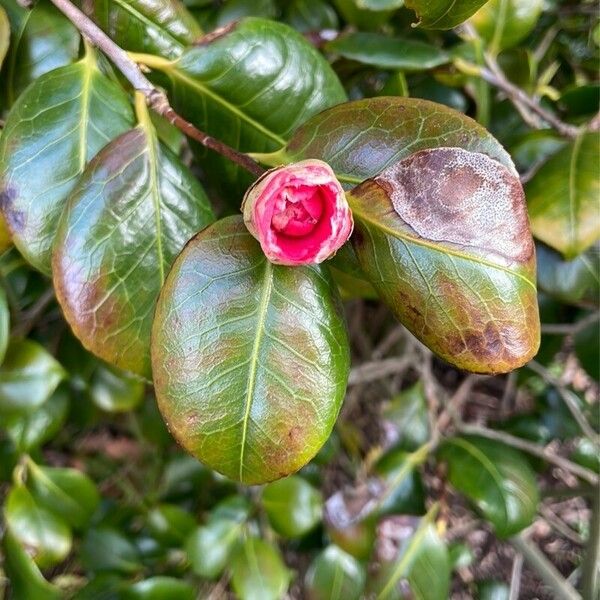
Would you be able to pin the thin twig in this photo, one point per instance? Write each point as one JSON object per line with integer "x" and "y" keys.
{"x": 531, "y": 448}
{"x": 155, "y": 98}
{"x": 560, "y": 526}
{"x": 374, "y": 370}
{"x": 29, "y": 318}
{"x": 591, "y": 564}
{"x": 515, "y": 577}
{"x": 570, "y": 328}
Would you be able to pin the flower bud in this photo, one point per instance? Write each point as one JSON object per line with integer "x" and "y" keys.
{"x": 298, "y": 213}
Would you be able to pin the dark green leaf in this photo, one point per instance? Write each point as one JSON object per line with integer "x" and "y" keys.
{"x": 443, "y": 237}
{"x": 460, "y": 555}
{"x": 113, "y": 390}
{"x": 587, "y": 349}
{"x": 293, "y": 506}
{"x": 55, "y": 127}
{"x": 258, "y": 572}
{"x": 162, "y": 27}
{"x": 385, "y": 52}
{"x": 106, "y": 549}
{"x": 311, "y": 15}
{"x": 28, "y": 377}
{"x": 443, "y": 14}
{"x": 379, "y": 4}
{"x": 4, "y": 324}
{"x": 132, "y": 211}
{"x": 234, "y": 10}
{"x": 170, "y": 524}
{"x": 407, "y": 418}
{"x": 496, "y": 478}
{"x": 160, "y": 588}
{"x": 563, "y": 197}
{"x": 209, "y": 547}
{"x": 586, "y": 454}
{"x": 335, "y": 575}
{"x": 67, "y": 493}
{"x": 26, "y": 581}
{"x": 493, "y": 590}
{"x": 250, "y": 359}
{"x": 4, "y": 34}
{"x": 42, "y": 40}
{"x": 362, "y": 17}
{"x": 45, "y": 535}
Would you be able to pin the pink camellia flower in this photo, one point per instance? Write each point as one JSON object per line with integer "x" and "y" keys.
{"x": 298, "y": 213}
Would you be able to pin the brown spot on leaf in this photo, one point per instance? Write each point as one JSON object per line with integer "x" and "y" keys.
{"x": 220, "y": 32}
{"x": 15, "y": 219}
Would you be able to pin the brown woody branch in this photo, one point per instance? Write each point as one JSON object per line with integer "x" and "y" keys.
{"x": 155, "y": 98}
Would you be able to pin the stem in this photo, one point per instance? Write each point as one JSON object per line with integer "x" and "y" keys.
{"x": 515, "y": 577}
{"x": 591, "y": 569}
{"x": 561, "y": 588}
{"x": 155, "y": 98}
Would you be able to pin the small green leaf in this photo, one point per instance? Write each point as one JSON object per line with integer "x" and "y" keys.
{"x": 55, "y": 127}
{"x": 4, "y": 324}
{"x": 563, "y": 197}
{"x": 250, "y": 359}
{"x": 162, "y": 27}
{"x": 389, "y": 53}
{"x": 335, "y": 575}
{"x": 380, "y": 4}
{"x": 170, "y": 524}
{"x": 258, "y": 572}
{"x": 311, "y": 15}
{"x": 28, "y": 377}
{"x": 4, "y": 34}
{"x": 293, "y": 506}
{"x": 136, "y": 206}
{"x": 105, "y": 549}
{"x": 443, "y": 14}
{"x": 113, "y": 390}
{"x": 160, "y": 588}
{"x": 209, "y": 547}
{"x": 496, "y": 478}
{"x": 67, "y": 493}
{"x": 362, "y": 17}
{"x": 443, "y": 237}
{"x": 407, "y": 416}
{"x": 25, "y": 578}
{"x": 585, "y": 454}
{"x": 45, "y": 535}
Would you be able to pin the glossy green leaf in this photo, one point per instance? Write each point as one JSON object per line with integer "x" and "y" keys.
{"x": 234, "y": 10}
{"x": 443, "y": 14}
{"x": 55, "y": 127}
{"x": 496, "y": 478}
{"x": 250, "y": 359}
{"x": 67, "y": 493}
{"x": 170, "y": 524}
{"x": 4, "y": 34}
{"x": 30, "y": 430}
{"x": 563, "y": 197}
{"x": 385, "y": 52}
{"x": 45, "y": 535}
{"x": 160, "y": 588}
{"x": 335, "y": 575}
{"x": 42, "y": 40}
{"x": 275, "y": 81}
{"x": 131, "y": 213}
{"x": 362, "y": 18}
{"x": 504, "y": 23}
{"x": 162, "y": 27}
{"x": 293, "y": 506}
{"x": 380, "y": 4}
{"x": 28, "y": 377}
{"x": 258, "y": 571}
{"x": 4, "y": 324}
{"x": 585, "y": 454}
{"x": 407, "y": 416}
{"x": 25, "y": 578}
{"x": 311, "y": 15}
{"x": 209, "y": 547}
{"x": 106, "y": 549}
{"x": 443, "y": 237}
{"x": 574, "y": 281}
{"x": 116, "y": 391}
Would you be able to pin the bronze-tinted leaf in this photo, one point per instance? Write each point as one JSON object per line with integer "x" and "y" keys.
{"x": 444, "y": 238}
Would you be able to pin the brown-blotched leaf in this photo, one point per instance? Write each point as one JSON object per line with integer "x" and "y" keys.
{"x": 443, "y": 236}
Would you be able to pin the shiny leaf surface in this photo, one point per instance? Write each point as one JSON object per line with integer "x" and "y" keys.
{"x": 496, "y": 478}
{"x": 162, "y": 27}
{"x": 55, "y": 127}
{"x": 105, "y": 549}
{"x": 250, "y": 359}
{"x": 444, "y": 238}
{"x": 4, "y": 324}
{"x": 113, "y": 390}
{"x": 130, "y": 215}
{"x": 311, "y": 15}
{"x": 443, "y": 14}
{"x": 160, "y": 588}
{"x": 563, "y": 197}
{"x": 170, "y": 524}
{"x": 4, "y": 34}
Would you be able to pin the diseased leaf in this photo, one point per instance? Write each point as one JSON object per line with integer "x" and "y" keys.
{"x": 563, "y": 197}
{"x": 55, "y": 127}
{"x": 275, "y": 81}
{"x": 496, "y": 478}
{"x": 444, "y": 239}
{"x": 129, "y": 216}
{"x": 4, "y": 34}
{"x": 250, "y": 359}
{"x": 443, "y": 14}
{"x": 386, "y": 52}
{"x": 162, "y": 27}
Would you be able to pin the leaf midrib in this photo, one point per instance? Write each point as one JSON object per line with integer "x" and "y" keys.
{"x": 573, "y": 203}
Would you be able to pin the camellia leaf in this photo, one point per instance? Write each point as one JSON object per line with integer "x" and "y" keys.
{"x": 45, "y": 535}
{"x": 106, "y": 549}
{"x": 563, "y": 197}
{"x": 28, "y": 377}
{"x": 361, "y": 17}
{"x": 162, "y": 27}
{"x": 311, "y": 15}
{"x": 42, "y": 40}
{"x": 496, "y": 478}
{"x": 258, "y": 572}
{"x": 170, "y": 524}
{"x": 4, "y": 34}
{"x": 379, "y": 4}
{"x": 443, "y": 14}
{"x": 131, "y": 213}
{"x": 443, "y": 237}
{"x": 160, "y": 588}
{"x": 55, "y": 127}
{"x": 275, "y": 81}
{"x": 234, "y": 10}
{"x": 115, "y": 391}
{"x": 293, "y": 506}
{"x": 385, "y": 52}
{"x": 250, "y": 359}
